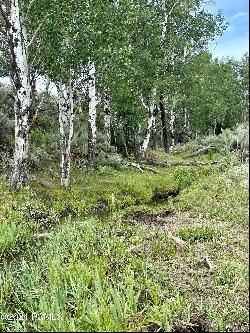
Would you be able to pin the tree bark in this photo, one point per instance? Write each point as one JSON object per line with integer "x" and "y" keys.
{"x": 165, "y": 137}
{"x": 107, "y": 120}
{"x": 171, "y": 125}
{"x": 22, "y": 92}
{"x": 92, "y": 116}
{"x": 186, "y": 119}
{"x": 150, "y": 124}
{"x": 142, "y": 147}
{"x": 154, "y": 131}
{"x": 66, "y": 124}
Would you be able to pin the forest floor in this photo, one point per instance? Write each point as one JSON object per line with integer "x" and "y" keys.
{"x": 124, "y": 250}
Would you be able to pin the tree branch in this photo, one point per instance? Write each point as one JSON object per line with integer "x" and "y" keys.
{"x": 142, "y": 101}
{"x": 28, "y": 9}
{"x": 4, "y": 15}
{"x": 39, "y": 107}
{"x": 37, "y": 31}
{"x": 3, "y": 32}
{"x": 172, "y": 164}
{"x": 166, "y": 16}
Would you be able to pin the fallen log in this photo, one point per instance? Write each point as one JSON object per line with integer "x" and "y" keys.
{"x": 201, "y": 151}
{"x": 135, "y": 165}
{"x": 171, "y": 164}
{"x": 154, "y": 170}
{"x": 141, "y": 167}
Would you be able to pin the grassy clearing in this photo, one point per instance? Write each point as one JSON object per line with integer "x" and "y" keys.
{"x": 39, "y": 207}
{"x": 140, "y": 264}
{"x": 116, "y": 189}
{"x": 223, "y": 196}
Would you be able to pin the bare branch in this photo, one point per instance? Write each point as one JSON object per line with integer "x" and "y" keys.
{"x": 28, "y": 9}
{"x": 39, "y": 107}
{"x": 143, "y": 102}
{"x": 37, "y": 31}
{"x": 36, "y": 58}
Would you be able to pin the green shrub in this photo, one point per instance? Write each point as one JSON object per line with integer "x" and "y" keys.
{"x": 228, "y": 140}
{"x": 107, "y": 156}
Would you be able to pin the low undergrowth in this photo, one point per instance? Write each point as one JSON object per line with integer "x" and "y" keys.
{"x": 164, "y": 252}
{"x": 112, "y": 276}
{"x": 223, "y": 196}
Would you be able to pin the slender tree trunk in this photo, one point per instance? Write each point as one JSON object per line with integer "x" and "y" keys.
{"x": 40, "y": 105}
{"x": 154, "y": 131}
{"x": 92, "y": 116}
{"x": 186, "y": 120}
{"x": 171, "y": 124}
{"x": 150, "y": 124}
{"x": 66, "y": 123}
{"x": 19, "y": 175}
{"x": 165, "y": 137}
{"x": 171, "y": 127}
{"x": 215, "y": 126}
{"x": 115, "y": 131}
{"x": 22, "y": 92}
{"x": 107, "y": 120}
{"x": 124, "y": 140}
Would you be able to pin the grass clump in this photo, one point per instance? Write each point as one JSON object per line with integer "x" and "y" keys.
{"x": 222, "y": 196}
{"x": 199, "y": 233}
{"x": 89, "y": 276}
{"x": 21, "y": 214}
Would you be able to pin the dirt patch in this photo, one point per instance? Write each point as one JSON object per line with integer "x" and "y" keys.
{"x": 100, "y": 208}
{"x": 159, "y": 195}
{"x": 148, "y": 218}
{"x": 197, "y": 324}
{"x": 167, "y": 219}
{"x": 68, "y": 211}
{"x": 153, "y": 327}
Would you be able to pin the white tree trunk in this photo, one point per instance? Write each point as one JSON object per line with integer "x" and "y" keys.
{"x": 215, "y": 125}
{"x": 66, "y": 125}
{"x": 92, "y": 116}
{"x": 154, "y": 132}
{"x": 186, "y": 124}
{"x": 150, "y": 124}
{"x": 107, "y": 120}
{"x": 171, "y": 124}
{"x": 21, "y": 90}
{"x": 171, "y": 128}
